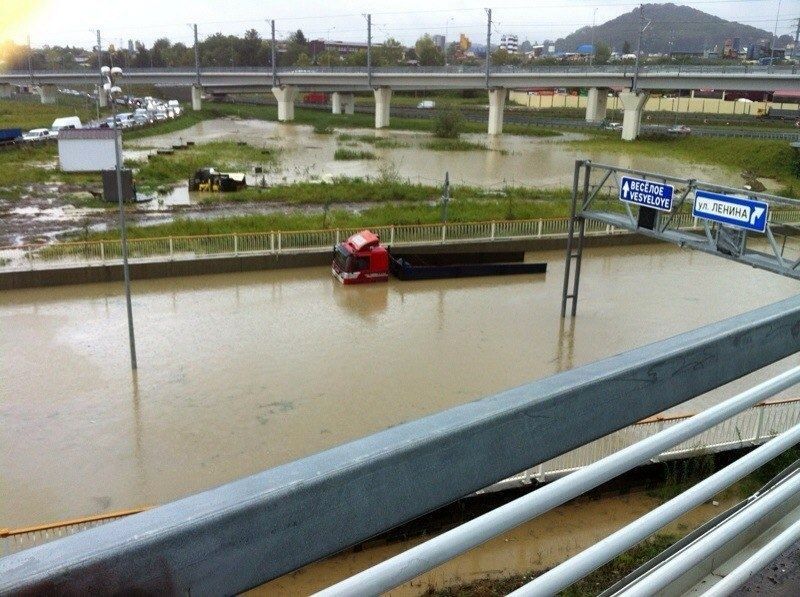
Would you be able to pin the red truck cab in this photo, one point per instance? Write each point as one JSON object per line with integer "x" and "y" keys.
{"x": 360, "y": 259}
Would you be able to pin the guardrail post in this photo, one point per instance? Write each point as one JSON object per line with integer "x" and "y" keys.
{"x": 391, "y": 235}
{"x": 444, "y": 232}
{"x": 760, "y": 423}
{"x": 170, "y": 248}
{"x": 279, "y": 241}
{"x": 235, "y": 244}
{"x": 608, "y": 229}
{"x": 337, "y": 236}
{"x": 271, "y": 242}
{"x": 539, "y": 228}
{"x": 102, "y": 252}
{"x": 493, "y": 229}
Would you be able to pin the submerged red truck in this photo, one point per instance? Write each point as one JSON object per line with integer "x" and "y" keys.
{"x": 361, "y": 258}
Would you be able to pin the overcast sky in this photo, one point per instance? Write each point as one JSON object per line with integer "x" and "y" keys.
{"x": 60, "y": 22}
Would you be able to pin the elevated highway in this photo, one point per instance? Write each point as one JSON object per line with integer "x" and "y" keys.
{"x": 286, "y": 84}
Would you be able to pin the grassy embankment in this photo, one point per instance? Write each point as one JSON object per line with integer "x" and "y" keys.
{"x": 401, "y": 203}
{"x": 321, "y": 120}
{"x": 764, "y": 158}
{"x": 28, "y": 113}
{"x": 677, "y": 477}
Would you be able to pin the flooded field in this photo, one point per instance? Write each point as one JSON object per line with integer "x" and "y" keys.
{"x": 510, "y": 160}
{"x": 242, "y": 372}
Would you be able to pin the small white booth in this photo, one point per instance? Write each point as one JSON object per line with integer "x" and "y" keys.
{"x": 86, "y": 150}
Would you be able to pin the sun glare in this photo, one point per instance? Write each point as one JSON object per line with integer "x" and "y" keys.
{"x": 16, "y": 16}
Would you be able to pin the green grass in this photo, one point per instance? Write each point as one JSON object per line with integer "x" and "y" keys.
{"x": 384, "y": 190}
{"x": 378, "y": 142}
{"x": 319, "y": 119}
{"x": 593, "y": 584}
{"x": 343, "y": 153}
{"x": 766, "y": 158}
{"x": 453, "y": 145}
{"x": 27, "y": 112}
{"x": 222, "y": 155}
{"x": 467, "y": 210}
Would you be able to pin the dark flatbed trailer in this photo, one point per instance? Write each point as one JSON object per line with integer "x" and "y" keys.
{"x": 433, "y": 266}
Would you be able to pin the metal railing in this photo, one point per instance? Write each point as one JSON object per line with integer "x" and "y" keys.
{"x": 66, "y": 254}
{"x": 747, "y": 429}
{"x": 246, "y": 532}
{"x": 577, "y": 68}
{"x": 14, "y": 540}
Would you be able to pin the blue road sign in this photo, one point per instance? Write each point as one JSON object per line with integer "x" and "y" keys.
{"x": 748, "y": 214}
{"x": 646, "y": 193}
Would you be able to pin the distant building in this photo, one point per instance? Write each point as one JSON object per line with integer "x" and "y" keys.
{"x": 509, "y": 43}
{"x": 439, "y": 41}
{"x": 585, "y": 49}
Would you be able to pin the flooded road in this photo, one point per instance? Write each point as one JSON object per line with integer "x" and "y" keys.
{"x": 544, "y": 162}
{"x": 238, "y": 373}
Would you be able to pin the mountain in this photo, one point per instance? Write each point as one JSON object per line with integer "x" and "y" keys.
{"x": 674, "y": 27}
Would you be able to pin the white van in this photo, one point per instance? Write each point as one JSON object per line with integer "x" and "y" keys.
{"x": 67, "y": 122}
{"x": 426, "y": 105}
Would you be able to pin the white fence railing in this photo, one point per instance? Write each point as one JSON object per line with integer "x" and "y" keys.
{"x": 172, "y": 248}
{"x": 749, "y": 428}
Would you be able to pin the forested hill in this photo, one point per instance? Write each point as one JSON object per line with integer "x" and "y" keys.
{"x": 679, "y": 28}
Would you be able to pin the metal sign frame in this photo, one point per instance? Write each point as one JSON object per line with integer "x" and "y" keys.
{"x": 594, "y": 183}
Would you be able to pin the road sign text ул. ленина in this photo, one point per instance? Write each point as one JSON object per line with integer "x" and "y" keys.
{"x": 748, "y": 214}
{"x": 646, "y": 193}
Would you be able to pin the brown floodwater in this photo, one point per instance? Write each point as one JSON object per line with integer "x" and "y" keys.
{"x": 543, "y": 162}
{"x": 241, "y": 372}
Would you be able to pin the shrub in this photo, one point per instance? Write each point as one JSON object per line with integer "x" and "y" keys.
{"x": 448, "y": 125}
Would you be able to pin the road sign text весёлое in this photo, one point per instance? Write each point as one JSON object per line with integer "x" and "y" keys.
{"x": 646, "y": 193}
{"x": 748, "y": 214}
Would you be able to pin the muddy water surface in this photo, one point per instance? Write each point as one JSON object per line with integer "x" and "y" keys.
{"x": 238, "y": 373}
{"x": 511, "y": 159}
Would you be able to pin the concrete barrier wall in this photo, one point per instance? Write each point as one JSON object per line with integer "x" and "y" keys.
{"x": 654, "y": 104}
{"x": 93, "y": 274}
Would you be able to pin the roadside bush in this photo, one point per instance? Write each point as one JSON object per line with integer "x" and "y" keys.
{"x": 448, "y": 125}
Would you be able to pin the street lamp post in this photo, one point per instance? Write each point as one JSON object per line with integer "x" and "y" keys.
{"x": 591, "y": 56}
{"x": 113, "y": 91}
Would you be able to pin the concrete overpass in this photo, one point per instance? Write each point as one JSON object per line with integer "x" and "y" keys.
{"x": 285, "y": 84}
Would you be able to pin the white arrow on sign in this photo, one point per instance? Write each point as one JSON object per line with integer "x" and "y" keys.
{"x": 757, "y": 213}
{"x": 625, "y": 189}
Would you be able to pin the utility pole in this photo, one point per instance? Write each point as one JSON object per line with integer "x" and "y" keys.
{"x": 639, "y": 48}
{"x": 445, "y": 196}
{"x": 369, "y": 50}
{"x": 100, "y": 87}
{"x": 796, "y": 51}
{"x": 774, "y": 37}
{"x": 196, "y": 56}
{"x": 30, "y": 59}
{"x": 591, "y": 56}
{"x": 488, "y": 43}
{"x": 272, "y": 49}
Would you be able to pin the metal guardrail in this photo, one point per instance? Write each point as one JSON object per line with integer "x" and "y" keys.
{"x": 750, "y": 428}
{"x": 14, "y": 540}
{"x": 65, "y": 254}
{"x": 623, "y": 69}
{"x": 244, "y": 533}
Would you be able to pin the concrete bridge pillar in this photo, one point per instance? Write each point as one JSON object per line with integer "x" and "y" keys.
{"x": 497, "y": 103}
{"x": 102, "y": 96}
{"x": 349, "y": 103}
{"x": 632, "y": 104}
{"x": 5, "y": 90}
{"x": 596, "y": 105}
{"x": 197, "y": 98}
{"x": 383, "y": 98}
{"x": 47, "y": 93}
{"x": 336, "y": 102}
{"x": 285, "y": 94}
